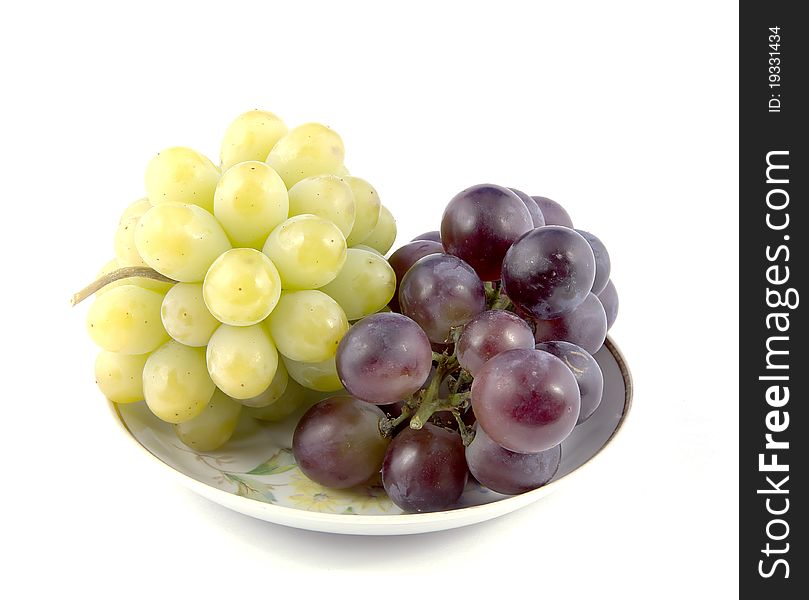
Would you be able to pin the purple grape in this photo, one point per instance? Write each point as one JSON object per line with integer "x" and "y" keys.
{"x": 586, "y": 371}
{"x": 440, "y": 292}
{"x": 480, "y": 224}
{"x": 609, "y": 299}
{"x": 585, "y": 326}
{"x": 425, "y": 469}
{"x": 433, "y": 236}
{"x": 489, "y": 334}
{"x": 337, "y": 442}
{"x": 602, "y": 261}
{"x": 549, "y": 271}
{"x": 527, "y": 400}
{"x": 508, "y": 472}
{"x": 405, "y": 257}
{"x": 532, "y": 206}
{"x": 553, "y": 212}
{"x": 384, "y": 358}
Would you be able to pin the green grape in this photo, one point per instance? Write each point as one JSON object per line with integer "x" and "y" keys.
{"x": 342, "y": 171}
{"x": 365, "y": 284}
{"x": 250, "y": 201}
{"x": 384, "y": 234}
{"x": 251, "y": 136}
{"x": 242, "y": 361}
{"x": 180, "y": 240}
{"x": 185, "y": 316}
{"x": 307, "y": 326}
{"x": 176, "y": 384}
{"x": 124, "y": 243}
{"x": 127, "y": 320}
{"x": 272, "y": 393}
{"x": 214, "y": 426}
{"x": 120, "y": 376}
{"x": 306, "y": 150}
{"x": 368, "y": 206}
{"x": 181, "y": 175}
{"x": 294, "y": 397}
{"x": 368, "y": 249}
{"x": 320, "y": 376}
{"x": 241, "y": 287}
{"x": 161, "y": 287}
{"x": 327, "y": 196}
{"x": 307, "y": 250}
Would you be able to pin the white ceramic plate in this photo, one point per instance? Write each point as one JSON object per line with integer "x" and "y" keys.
{"x": 255, "y": 474}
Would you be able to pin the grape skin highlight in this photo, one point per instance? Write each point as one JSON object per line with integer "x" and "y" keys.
{"x": 127, "y": 320}
{"x": 585, "y": 326}
{"x": 364, "y": 285}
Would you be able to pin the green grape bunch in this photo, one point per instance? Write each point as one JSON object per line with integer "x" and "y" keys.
{"x": 232, "y": 285}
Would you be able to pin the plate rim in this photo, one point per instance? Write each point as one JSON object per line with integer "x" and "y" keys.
{"x": 289, "y": 514}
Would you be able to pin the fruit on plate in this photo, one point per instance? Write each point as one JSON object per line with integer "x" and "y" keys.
{"x": 259, "y": 289}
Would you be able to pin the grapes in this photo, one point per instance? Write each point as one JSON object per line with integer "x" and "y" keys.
{"x": 549, "y": 271}
{"x": 405, "y": 257}
{"x": 319, "y": 376}
{"x": 293, "y": 399}
{"x": 176, "y": 384}
{"x": 120, "y": 376}
{"x": 276, "y": 390}
{"x": 127, "y": 320}
{"x": 368, "y": 208}
{"x": 185, "y": 316}
{"x": 602, "y": 261}
{"x": 527, "y": 400}
{"x": 271, "y": 256}
{"x": 307, "y": 325}
{"x": 125, "y": 250}
{"x": 242, "y": 287}
{"x": 440, "y": 292}
{"x": 180, "y": 240}
{"x": 510, "y": 472}
{"x": 364, "y": 285}
{"x": 181, "y": 175}
{"x": 338, "y": 443}
{"x": 242, "y": 361}
{"x": 384, "y": 358}
{"x": 433, "y": 236}
{"x": 211, "y": 428}
{"x": 326, "y": 196}
{"x": 553, "y": 212}
{"x": 586, "y": 371}
{"x": 305, "y": 151}
{"x": 251, "y": 136}
{"x": 425, "y": 469}
{"x": 609, "y": 300}
{"x": 384, "y": 234}
{"x": 585, "y": 326}
{"x": 249, "y": 202}
{"x": 489, "y": 334}
{"x": 307, "y": 250}
{"x": 480, "y": 224}
{"x": 536, "y": 215}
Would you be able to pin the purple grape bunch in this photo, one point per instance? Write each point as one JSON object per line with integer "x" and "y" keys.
{"x": 484, "y": 364}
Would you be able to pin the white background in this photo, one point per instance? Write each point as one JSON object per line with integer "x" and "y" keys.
{"x": 625, "y": 112}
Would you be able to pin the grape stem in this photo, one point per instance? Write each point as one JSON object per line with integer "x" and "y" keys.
{"x": 113, "y": 276}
